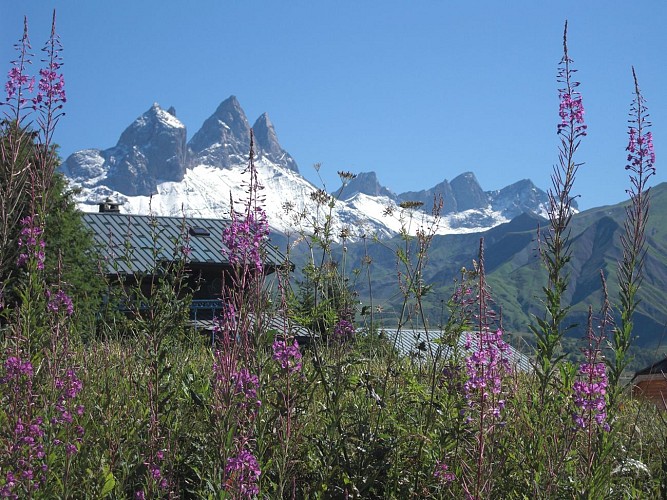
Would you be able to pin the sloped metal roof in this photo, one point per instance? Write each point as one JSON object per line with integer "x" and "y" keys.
{"x": 280, "y": 324}
{"x": 139, "y": 243}
{"x": 421, "y": 344}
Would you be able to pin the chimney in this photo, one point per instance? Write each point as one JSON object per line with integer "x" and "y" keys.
{"x": 108, "y": 206}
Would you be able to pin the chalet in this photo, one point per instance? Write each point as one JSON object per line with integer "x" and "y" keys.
{"x": 136, "y": 247}
{"x": 651, "y": 383}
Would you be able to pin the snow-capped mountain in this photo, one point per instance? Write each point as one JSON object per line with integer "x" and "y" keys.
{"x": 153, "y": 168}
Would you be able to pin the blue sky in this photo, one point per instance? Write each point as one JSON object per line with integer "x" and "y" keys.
{"x": 417, "y": 91}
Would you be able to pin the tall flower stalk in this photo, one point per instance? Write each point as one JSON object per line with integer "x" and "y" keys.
{"x": 590, "y": 399}
{"x": 16, "y": 193}
{"x": 43, "y": 408}
{"x": 49, "y": 103}
{"x": 240, "y": 332}
{"x": 641, "y": 167}
{"x": 557, "y": 252}
{"x": 20, "y": 84}
{"x": 486, "y": 367}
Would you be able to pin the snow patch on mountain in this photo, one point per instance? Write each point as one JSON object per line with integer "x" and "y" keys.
{"x": 293, "y": 205}
{"x": 206, "y": 177}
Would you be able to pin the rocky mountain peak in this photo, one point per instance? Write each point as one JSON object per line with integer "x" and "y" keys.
{"x": 224, "y": 138}
{"x": 267, "y": 145}
{"x": 150, "y": 126}
{"x": 154, "y": 148}
{"x": 462, "y": 193}
{"x": 151, "y": 150}
{"x": 467, "y": 192}
{"x": 365, "y": 183}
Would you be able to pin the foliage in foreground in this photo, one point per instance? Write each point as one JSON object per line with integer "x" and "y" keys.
{"x": 149, "y": 410}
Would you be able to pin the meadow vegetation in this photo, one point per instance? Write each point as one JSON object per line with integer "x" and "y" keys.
{"x": 102, "y": 403}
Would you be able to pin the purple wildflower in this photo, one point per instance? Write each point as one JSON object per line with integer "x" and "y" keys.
{"x": 246, "y": 384}
{"x": 68, "y": 388}
{"x": 27, "y": 452}
{"x": 31, "y": 243}
{"x": 287, "y": 356}
{"x": 343, "y": 330}
{"x": 51, "y": 85}
{"x": 155, "y": 472}
{"x": 19, "y": 83}
{"x": 15, "y": 368}
{"x": 225, "y": 326}
{"x": 243, "y": 474}
{"x": 571, "y": 107}
{"x": 590, "y": 389}
{"x": 590, "y": 395}
{"x": 243, "y": 239}
{"x": 235, "y": 387}
{"x": 485, "y": 367}
{"x": 442, "y": 473}
{"x": 51, "y": 90}
{"x": 630, "y": 271}
{"x": 641, "y": 155}
{"x": 59, "y": 301}
{"x": 571, "y": 112}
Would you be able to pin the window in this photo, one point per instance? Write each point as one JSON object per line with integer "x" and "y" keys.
{"x": 199, "y": 231}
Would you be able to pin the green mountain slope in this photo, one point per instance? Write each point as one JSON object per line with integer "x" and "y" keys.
{"x": 516, "y": 275}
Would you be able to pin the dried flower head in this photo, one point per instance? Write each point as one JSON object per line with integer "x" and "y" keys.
{"x": 410, "y": 205}
{"x": 346, "y": 176}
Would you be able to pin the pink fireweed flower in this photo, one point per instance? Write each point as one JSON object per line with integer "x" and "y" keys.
{"x": 343, "y": 330}
{"x": 59, "y": 301}
{"x": 31, "y": 243}
{"x": 225, "y": 326}
{"x": 19, "y": 83}
{"x": 442, "y": 473}
{"x": 243, "y": 239}
{"x": 51, "y": 86}
{"x": 51, "y": 89}
{"x": 571, "y": 111}
{"x": 641, "y": 155}
{"x": 15, "y": 368}
{"x": 485, "y": 366}
{"x": 571, "y": 107}
{"x": 29, "y": 458}
{"x": 287, "y": 356}
{"x": 235, "y": 388}
{"x": 243, "y": 473}
{"x": 69, "y": 387}
{"x": 590, "y": 395}
{"x": 246, "y": 384}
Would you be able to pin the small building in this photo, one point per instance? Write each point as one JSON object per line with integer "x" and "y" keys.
{"x": 422, "y": 345}
{"x": 137, "y": 248}
{"x": 134, "y": 247}
{"x": 651, "y": 383}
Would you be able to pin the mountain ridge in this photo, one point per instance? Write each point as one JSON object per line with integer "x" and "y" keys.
{"x": 155, "y": 167}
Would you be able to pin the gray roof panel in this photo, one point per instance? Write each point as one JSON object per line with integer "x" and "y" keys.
{"x": 144, "y": 241}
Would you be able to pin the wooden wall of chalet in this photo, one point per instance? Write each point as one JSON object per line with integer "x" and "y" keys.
{"x": 652, "y": 388}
